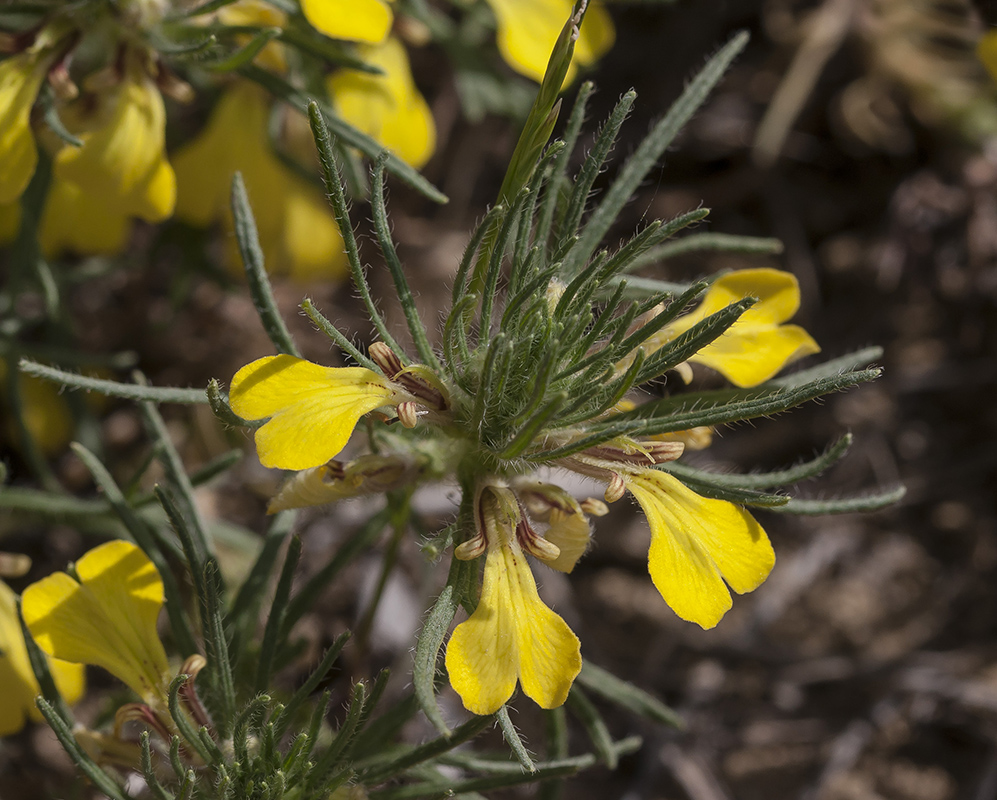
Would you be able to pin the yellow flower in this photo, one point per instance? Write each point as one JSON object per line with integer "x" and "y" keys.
{"x": 511, "y": 635}
{"x": 758, "y": 345}
{"x": 387, "y": 107}
{"x": 312, "y": 409}
{"x": 356, "y": 20}
{"x": 297, "y": 231}
{"x": 72, "y": 223}
{"x": 122, "y": 164}
{"x": 21, "y": 78}
{"x": 697, "y": 543}
{"x": 20, "y": 687}
{"x": 258, "y": 13}
{"x": 46, "y": 413}
{"x": 329, "y": 483}
{"x": 104, "y": 615}
{"x": 527, "y": 30}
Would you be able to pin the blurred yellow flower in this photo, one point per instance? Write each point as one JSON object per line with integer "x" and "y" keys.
{"x": 118, "y": 173}
{"x": 297, "y": 231}
{"x": 527, "y": 30}
{"x": 312, "y": 409}
{"x": 511, "y": 636}
{"x": 387, "y": 107}
{"x": 20, "y": 687}
{"x": 72, "y": 224}
{"x": 758, "y": 345}
{"x": 21, "y": 78}
{"x": 46, "y": 413}
{"x": 105, "y": 615}
{"x": 355, "y": 20}
{"x": 697, "y": 543}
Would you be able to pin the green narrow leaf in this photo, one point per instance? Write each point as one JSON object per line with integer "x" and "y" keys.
{"x": 594, "y": 162}
{"x": 545, "y": 218}
{"x": 336, "y": 335}
{"x": 256, "y": 275}
{"x": 182, "y": 721}
{"x": 844, "y": 505}
{"x": 436, "y": 747}
{"x": 514, "y": 740}
{"x": 650, "y": 151}
{"x": 327, "y": 762}
{"x": 245, "y": 55}
{"x": 707, "y": 242}
{"x": 179, "y": 480}
{"x": 333, "y": 183}
{"x": 594, "y": 725}
{"x": 280, "y": 88}
{"x": 216, "y": 647}
{"x": 427, "y": 652}
{"x": 404, "y": 292}
{"x": 104, "y": 782}
{"x": 149, "y": 771}
{"x": 701, "y": 484}
{"x": 626, "y": 695}
{"x": 310, "y": 685}
{"x": 128, "y": 391}
{"x": 446, "y": 786}
{"x": 767, "y": 480}
{"x": 276, "y": 620}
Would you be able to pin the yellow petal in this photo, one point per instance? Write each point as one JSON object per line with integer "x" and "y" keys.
{"x": 387, "y": 107}
{"x": 511, "y": 635}
{"x": 356, "y": 20}
{"x": 107, "y": 618}
{"x": 757, "y": 346}
{"x": 749, "y": 355}
{"x": 257, "y": 14}
{"x": 572, "y": 535}
{"x": 698, "y": 543}
{"x": 313, "y": 409}
{"x": 777, "y": 292}
{"x": 298, "y": 233}
{"x": 121, "y": 163}
{"x": 72, "y": 222}
{"x": 20, "y": 688}
{"x": 21, "y": 77}
{"x": 528, "y": 29}
{"x": 313, "y": 248}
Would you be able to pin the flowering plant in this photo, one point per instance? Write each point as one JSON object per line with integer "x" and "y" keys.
{"x": 553, "y": 361}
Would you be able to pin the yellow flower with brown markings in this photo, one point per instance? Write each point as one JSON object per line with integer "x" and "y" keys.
{"x": 512, "y": 636}
{"x": 758, "y": 345}
{"x": 312, "y": 409}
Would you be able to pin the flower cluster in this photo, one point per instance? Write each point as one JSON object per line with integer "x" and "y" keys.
{"x": 699, "y": 545}
{"x": 86, "y": 87}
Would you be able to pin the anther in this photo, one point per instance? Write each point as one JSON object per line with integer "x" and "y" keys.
{"x": 616, "y": 489}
